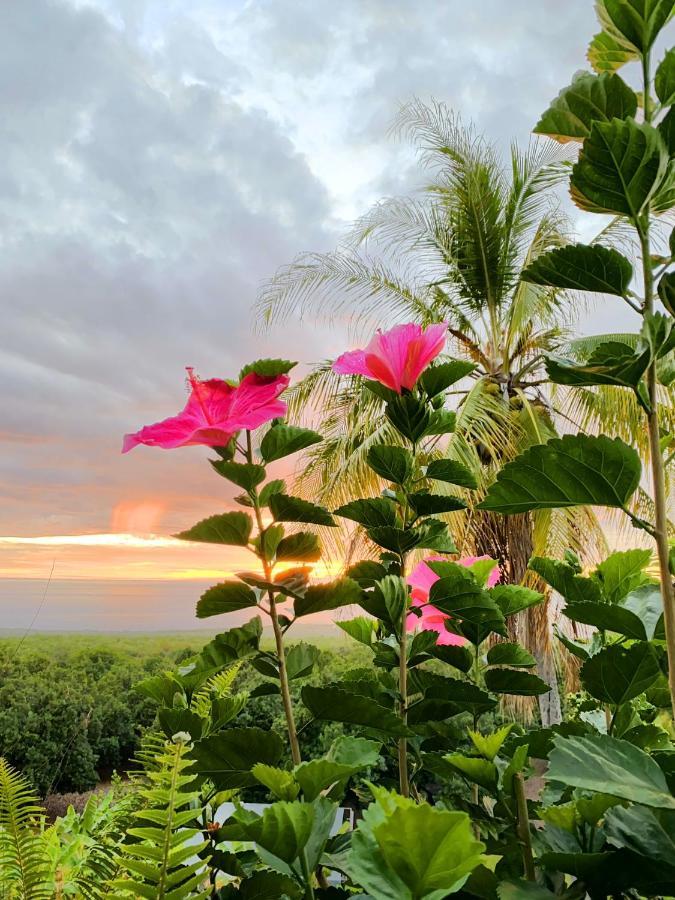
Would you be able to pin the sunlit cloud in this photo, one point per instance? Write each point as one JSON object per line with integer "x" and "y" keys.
{"x": 94, "y": 540}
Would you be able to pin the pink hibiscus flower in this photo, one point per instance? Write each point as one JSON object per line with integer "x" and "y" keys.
{"x": 215, "y": 412}
{"x": 421, "y": 579}
{"x": 395, "y": 358}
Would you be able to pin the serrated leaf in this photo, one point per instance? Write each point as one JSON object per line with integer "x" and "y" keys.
{"x": 451, "y": 472}
{"x": 359, "y": 628}
{"x": 458, "y": 657}
{"x": 244, "y": 475}
{"x": 606, "y": 54}
{"x": 409, "y": 415}
{"x": 606, "y": 618}
{"x": 268, "y": 368}
{"x": 576, "y": 470}
{"x": 511, "y": 681}
{"x": 282, "y": 440}
{"x": 225, "y": 598}
{"x": 609, "y": 766}
{"x": 321, "y": 597}
{"x": 293, "y": 509}
{"x": 301, "y": 659}
{"x": 233, "y": 528}
{"x": 276, "y": 486}
{"x": 336, "y": 703}
{"x": 433, "y": 534}
{"x": 475, "y": 769}
{"x": 617, "y": 674}
{"x": 346, "y": 757}
{"x": 646, "y": 603}
{"x": 427, "y": 504}
{"x": 303, "y": 546}
{"x": 510, "y": 654}
{"x": 623, "y": 572}
{"x": 279, "y": 781}
{"x": 664, "y": 80}
{"x": 648, "y": 832}
{"x": 227, "y": 758}
{"x": 489, "y": 745}
{"x": 374, "y": 512}
{"x": 439, "y": 377}
{"x": 366, "y": 573}
{"x": 441, "y": 421}
{"x": 283, "y": 829}
{"x": 566, "y": 580}
{"x": 583, "y": 268}
{"x": 634, "y": 24}
{"x": 393, "y": 463}
{"x": 514, "y": 598}
{"x": 620, "y": 168}
{"x": 398, "y": 540}
{"x": 588, "y": 99}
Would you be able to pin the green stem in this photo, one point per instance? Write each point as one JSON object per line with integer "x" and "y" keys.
{"x": 404, "y": 778}
{"x": 307, "y": 876}
{"x": 276, "y": 627}
{"x": 523, "y": 826}
{"x": 656, "y": 456}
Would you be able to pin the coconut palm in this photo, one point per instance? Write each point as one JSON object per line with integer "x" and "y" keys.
{"x": 454, "y": 252}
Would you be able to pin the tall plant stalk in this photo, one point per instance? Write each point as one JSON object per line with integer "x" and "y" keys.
{"x": 656, "y": 455}
{"x": 276, "y": 625}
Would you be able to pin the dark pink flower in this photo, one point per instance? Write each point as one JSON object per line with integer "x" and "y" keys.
{"x": 421, "y": 579}
{"x": 395, "y": 358}
{"x": 216, "y": 410}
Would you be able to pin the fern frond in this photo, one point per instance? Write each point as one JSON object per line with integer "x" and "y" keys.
{"x": 24, "y": 862}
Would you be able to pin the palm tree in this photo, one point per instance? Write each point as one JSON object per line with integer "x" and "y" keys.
{"x": 454, "y": 253}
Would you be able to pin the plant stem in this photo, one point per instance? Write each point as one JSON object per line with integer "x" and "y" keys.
{"x": 276, "y": 627}
{"x": 307, "y": 876}
{"x": 656, "y": 456}
{"x": 404, "y": 781}
{"x": 523, "y": 826}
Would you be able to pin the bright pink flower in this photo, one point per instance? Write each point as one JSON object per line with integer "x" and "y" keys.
{"x": 215, "y": 412}
{"x": 395, "y": 358}
{"x": 421, "y": 579}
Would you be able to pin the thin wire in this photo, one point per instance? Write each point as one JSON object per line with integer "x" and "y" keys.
{"x": 37, "y": 612}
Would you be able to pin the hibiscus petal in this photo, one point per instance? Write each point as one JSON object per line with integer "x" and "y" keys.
{"x": 175, "y": 431}
{"x": 352, "y": 363}
{"x": 421, "y": 350}
{"x": 255, "y": 401}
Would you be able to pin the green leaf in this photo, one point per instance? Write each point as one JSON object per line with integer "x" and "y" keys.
{"x": 609, "y": 766}
{"x": 582, "y": 268}
{"x": 510, "y": 681}
{"x": 489, "y": 745}
{"x": 433, "y": 867}
{"x": 576, "y": 470}
{"x": 282, "y": 440}
{"x": 268, "y": 368}
{"x": 664, "y": 81}
{"x": 523, "y": 890}
{"x": 276, "y": 486}
{"x": 648, "y": 832}
{"x": 475, "y": 769}
{"x": 452, "y": 472}
{"x": 458, "y": 594}
{"x": 293, "y": 509}
{"x": 426, "y": 504}
{"x": 617, "y": 674}
{"x": 513, "y": 598}
{"x": 620, "y": 168}
{"x": 666, "y": 291}
{"x": 590, "y": 98}
{"x": 346, "y": 757}
{"x": 565, "y": 580}
{"x": 438, "y": 378}
{"x": 606, "y": 54}
{"x": 301, "y": 659}
{"x": 409, "y": 415}
{"x": 283, "y": 829}
{"x": 508, "y": 654}
{"x": 226, "y": 528}
{"x": 360, "y": 628}
{"x": 646, "y": 603}
{"x": 321, "y": 597}
{"x": 375, "y": 512}
{"x": 244, "y": 475}
{"x": 265, "y": 885}
{"x": 432, "y": 534}
{"x": 279, "y": 782}
{"x": 303, "y": 546}
{"x": 623, "y": 572}
{"x": 459, "y": 657}
{"x": 393, "y": 463}
{"x": 606, "y": 618}
{"x": 224, "y": 598}
{"x": 398, "y": 540}
{"x": 227, "y": 758}
{"x": 464, "y": 695}
{"x": 336, "y": 703}
{"x": 441, "y": 421}
{"x": 634, "y": 24}
{"x": 235, "y": 643}
{"x": 366, "y": 573}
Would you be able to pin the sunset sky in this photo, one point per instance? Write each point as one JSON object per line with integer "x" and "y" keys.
{"x": 161, "y": 158}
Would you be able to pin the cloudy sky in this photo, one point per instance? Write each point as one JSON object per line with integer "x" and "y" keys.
{"x": 160, "y": 159}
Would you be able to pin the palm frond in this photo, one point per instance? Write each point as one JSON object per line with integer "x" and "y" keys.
{"x": 24, "y": 862}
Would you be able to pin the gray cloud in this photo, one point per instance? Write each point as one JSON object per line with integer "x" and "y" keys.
{"x": 162, "y": 157}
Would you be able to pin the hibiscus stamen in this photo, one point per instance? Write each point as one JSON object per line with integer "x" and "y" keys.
{"x": 196, "y": 386}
